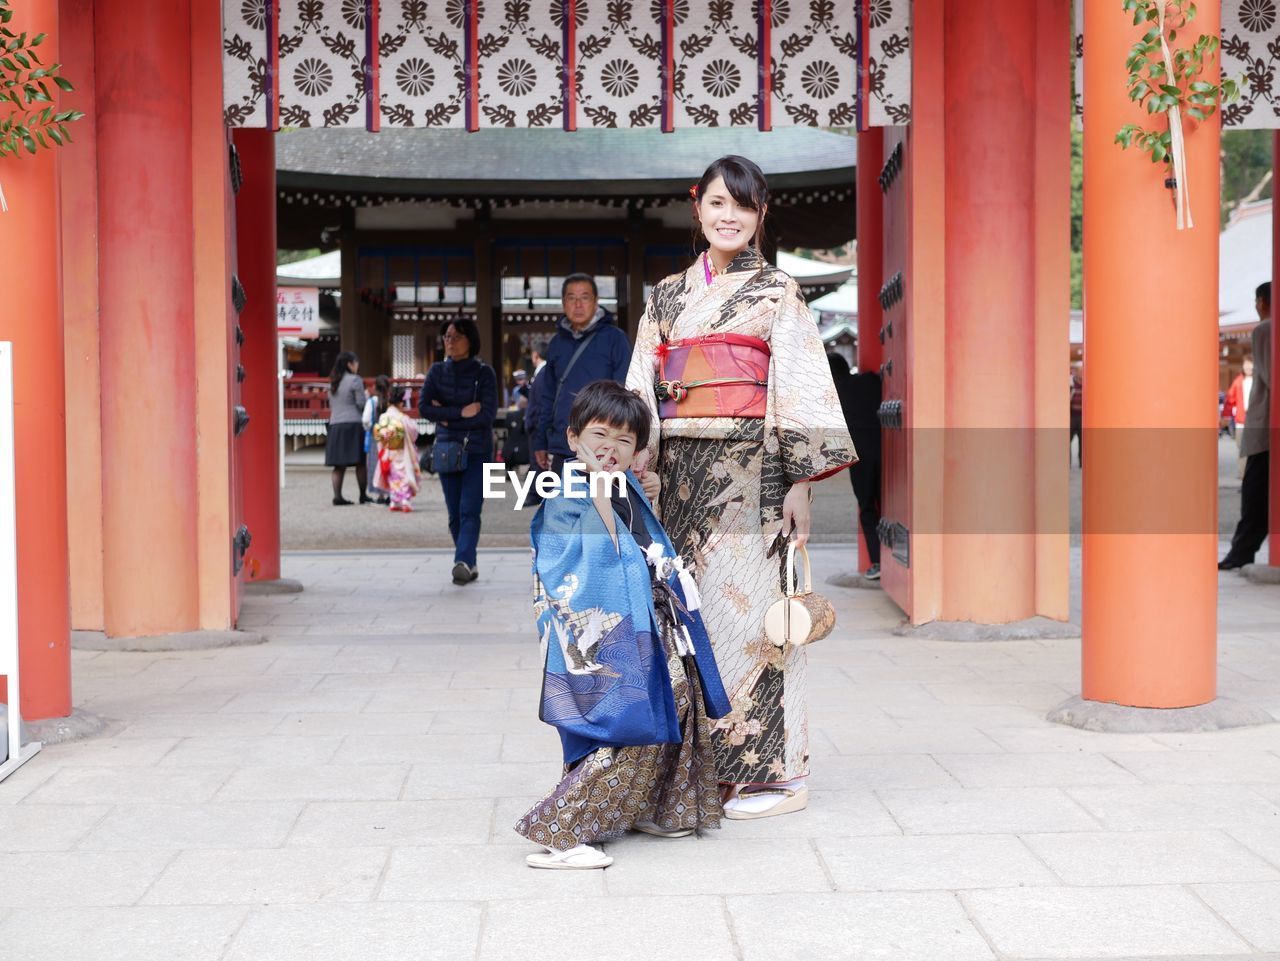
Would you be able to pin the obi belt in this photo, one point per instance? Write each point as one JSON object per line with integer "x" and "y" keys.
{"x": 718, "y": 375}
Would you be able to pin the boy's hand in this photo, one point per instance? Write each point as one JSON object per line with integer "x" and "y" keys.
{"x": 471, "y": 410}
{"x": 651, "y": 484}
{"x": 588, "y": 457}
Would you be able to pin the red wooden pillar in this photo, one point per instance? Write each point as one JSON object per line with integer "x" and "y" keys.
{"x": 148, "y": 360}
{"x": 870, "y": 267}
{"x": 1150, "y": 481}
{"x": 1273, "y": 515}
{"x": 259, "y": 446}
{"x": 30, "y": 262}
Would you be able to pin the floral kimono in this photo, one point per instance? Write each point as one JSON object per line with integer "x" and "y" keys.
{"x": 630, "y": 679}
{"x": 398, "y": 471}
{"x": 726, "y": 471}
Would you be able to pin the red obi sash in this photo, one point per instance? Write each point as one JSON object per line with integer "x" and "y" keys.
{"x": 719, "y": 375}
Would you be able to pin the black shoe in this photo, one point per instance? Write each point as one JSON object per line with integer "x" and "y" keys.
{"x": 1229, "y": 563}
{"x": 463, "y": 573}
{"x": 341, "y": 502}
{"x": 366, "y": 499}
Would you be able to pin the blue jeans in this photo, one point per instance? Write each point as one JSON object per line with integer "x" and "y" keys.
{"x": 463, "y": 497}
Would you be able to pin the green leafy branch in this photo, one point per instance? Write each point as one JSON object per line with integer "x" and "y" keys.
{"x": 24, "y": 86}
{"x": 1165, "y": 79}
{"x": 1162, "y": 76}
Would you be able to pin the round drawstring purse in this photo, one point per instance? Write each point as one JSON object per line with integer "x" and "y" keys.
{"x": 801, "y": 617}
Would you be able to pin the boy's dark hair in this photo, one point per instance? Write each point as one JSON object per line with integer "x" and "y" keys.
{"x": 1263, "y": 293}
{"x": 610, "y": 402}
{"x": 579, "y": 278}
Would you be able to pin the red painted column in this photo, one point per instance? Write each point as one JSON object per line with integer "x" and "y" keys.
{"x": 30, "y": 262}
{"x": 259, "y": 446}
{"x": 1273, "y": 515}
{"x": 870, "y": 267}
{"x": 1150, "y": 581}
{"x": 148, "y": 361}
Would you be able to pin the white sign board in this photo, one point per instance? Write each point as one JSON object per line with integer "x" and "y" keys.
{"x": 16, "y": 753}
{"x": 298, "y": 312}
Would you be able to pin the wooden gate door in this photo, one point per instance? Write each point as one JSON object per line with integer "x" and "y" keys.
{"x": 895, "y": 335}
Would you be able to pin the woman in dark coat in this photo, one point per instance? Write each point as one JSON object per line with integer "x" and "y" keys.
{"x": 461, "y": 395}
{"x": 344, "y": 443}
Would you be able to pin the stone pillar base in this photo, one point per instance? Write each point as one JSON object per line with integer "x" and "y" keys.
{"x": 1217, "y": 715}
{"x": 55, "y": 730}
{"x": 283, "y": 585}
{"x": 1260, "y": 574}
{"x": 181, "y": 641}
{"x": 1030, "y": 629}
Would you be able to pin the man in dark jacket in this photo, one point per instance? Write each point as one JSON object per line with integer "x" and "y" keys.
{"x": 587, "y": 346}
{"x": 860, "y": 402}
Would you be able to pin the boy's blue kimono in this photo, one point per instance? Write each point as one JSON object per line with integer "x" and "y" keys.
{"x": 606, "y": 682}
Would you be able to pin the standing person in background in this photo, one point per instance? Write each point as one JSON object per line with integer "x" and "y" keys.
{"x": 344, "y": 441}
{"x": 460, "y": 394}
{"x": 1236, "y": 404}
{"x": 587, "y": 346}
{"x": 374, "y": 408}
{"x": 1255, "y": 446}
{"x": 1077, "y": 416}
{"x": 538, "y": 361}
{"x": 860, "y": 401}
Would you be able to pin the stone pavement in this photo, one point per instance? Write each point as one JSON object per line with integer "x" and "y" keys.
{"x": 346, "y": 791}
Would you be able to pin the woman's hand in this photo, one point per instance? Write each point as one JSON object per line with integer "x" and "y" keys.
{"x": 471, "y": 409}
{"x": 795, "y": 513}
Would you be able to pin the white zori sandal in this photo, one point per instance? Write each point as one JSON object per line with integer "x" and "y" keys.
{"x": 648, "y": 827}
{"x": 581, "y": 858}
{"x": 766, "y": 801}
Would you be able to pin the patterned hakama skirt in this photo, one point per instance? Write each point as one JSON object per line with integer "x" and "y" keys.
{"x": 603, "y": 795}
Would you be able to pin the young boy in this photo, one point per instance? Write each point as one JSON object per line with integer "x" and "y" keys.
{"x": 630, "y": 680}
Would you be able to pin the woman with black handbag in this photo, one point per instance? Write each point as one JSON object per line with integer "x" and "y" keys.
{"x": 461, "y": 395}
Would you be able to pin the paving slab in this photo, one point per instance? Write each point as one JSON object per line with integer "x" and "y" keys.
{"x": 1252, "y": 909}
{"x": 986, "y": 811}
{"x": 1149, "y": 857}
{"x": 98, "y": 878}
{"x": 324, "y": 824}
{"x": 328, "y": 782}
{"x": 932, "y": 863}
{"x": 1112, "y": 922}
{"x": 1034, "y": 770}
{"x": 1177, "y": 807}
{"x": 270, "y": 876}
{"x": 51, "y": 827}
{"x": 468, "y": 872}
{"x": 635, "y": 929}
{"x": 690, "y": 866}
{"x": 368, "y": 932}
{"x": 145, "y": 827}
{"x": 855, "y": 927}
{"x": 99, "y": 785}
{"x": 119, "y": 934}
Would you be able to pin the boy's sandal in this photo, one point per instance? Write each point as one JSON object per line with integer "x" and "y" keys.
{"x": 789, "y": 801}
{"x": 581, "y": 858}
{"x": 648, "y": 827}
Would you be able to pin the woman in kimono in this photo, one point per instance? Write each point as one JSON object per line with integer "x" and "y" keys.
{"x": 630, "y": 680}
{"x": 745, "y": 417}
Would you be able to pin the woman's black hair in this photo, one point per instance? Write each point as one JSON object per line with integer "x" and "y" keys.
{"x": 382, "y": 389}
{"x": 395, "y": 395}
{"x": 609, "y": 402}
{"x": 341, "y": 367}
{"x": 468, "y": 329}
{"x": 745, "y": 182}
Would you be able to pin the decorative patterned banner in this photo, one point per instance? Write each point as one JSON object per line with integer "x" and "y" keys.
{"x": 539, "y": 63}
{"x": 885, "y": 63}
{"x": 814, "y": 49}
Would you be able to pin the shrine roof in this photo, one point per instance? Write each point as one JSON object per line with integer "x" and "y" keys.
{"x": 583, "y": 163}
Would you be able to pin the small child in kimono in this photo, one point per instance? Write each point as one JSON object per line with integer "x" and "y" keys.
{"x": 398, "y": 471}
{"x": 630, "y": 680}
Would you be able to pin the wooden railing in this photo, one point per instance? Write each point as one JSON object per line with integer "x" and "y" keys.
{"x": 307, "y": 398}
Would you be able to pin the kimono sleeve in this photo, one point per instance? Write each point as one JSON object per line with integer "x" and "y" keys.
{"x": 804, "y": 410}
{"x": 642, "y": 372}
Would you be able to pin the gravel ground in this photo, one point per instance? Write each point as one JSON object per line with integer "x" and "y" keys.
{"x": 310, "y": 522}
